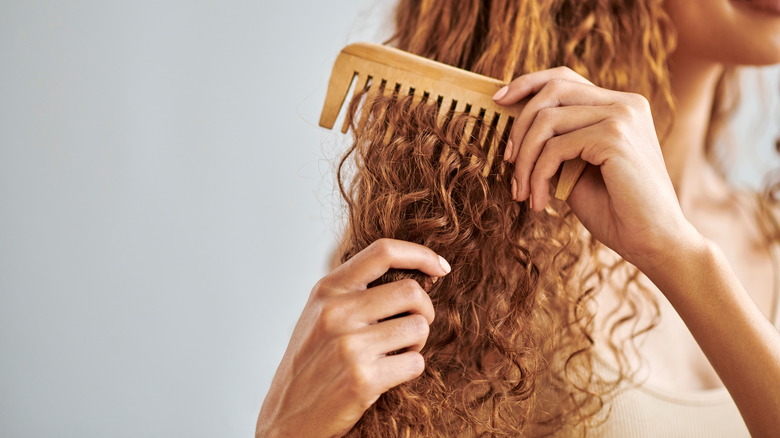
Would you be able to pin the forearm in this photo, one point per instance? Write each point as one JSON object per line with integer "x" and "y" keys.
{"x": 740, "y": 343}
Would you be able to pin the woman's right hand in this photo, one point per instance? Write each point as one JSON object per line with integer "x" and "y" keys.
{"x": 626, "y": 198}
{"x": 337, "y": 364}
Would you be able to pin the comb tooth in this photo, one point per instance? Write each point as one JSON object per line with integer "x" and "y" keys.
{"x": 503, "y": 122}
{"x": 418, "y": 95}
{"x": 403, "y": 91}
{"x": 406, "y": 90}
{"x": 371, "y": 95}
{"x": 389, "y": 88}
{"x": 492, "y": 141}
{"x": 501, "y": 126}
{"x": 446, "y": 104}
{"x": 464, "y": 140}
{"x": 441, "y": 118}
{"x": 388, "y": 92}
{"x": 360, "y": 85}
{"x": 338, "y": 85}
{"x": 481, "y": 132}
{"x": 460, "y": 106}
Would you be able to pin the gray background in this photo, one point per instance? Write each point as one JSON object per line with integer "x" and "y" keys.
{"x": 166, "y": 204}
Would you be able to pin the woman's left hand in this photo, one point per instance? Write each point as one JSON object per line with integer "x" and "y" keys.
{"x": 625, "y": 199}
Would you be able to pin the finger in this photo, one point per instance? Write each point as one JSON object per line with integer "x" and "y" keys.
{"x": 550, "y": 122}
{"x": 398, "y": 334}
{"x": 557, "y": 93}
{"x": 373, "y": 261}
{"x": 345, "y": 312}
{"x": 387, "y": 300}
{"x": 399, "y": 368}
{"x": 579, "y": 143}
{"x": 525, "y": 85}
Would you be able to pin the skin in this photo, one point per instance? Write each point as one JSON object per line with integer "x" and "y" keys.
{"x": 665, "y": 211}
{"x": 337, "y": 364}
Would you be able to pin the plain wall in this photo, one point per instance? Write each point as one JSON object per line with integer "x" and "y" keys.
{"x": 166, "y": 205}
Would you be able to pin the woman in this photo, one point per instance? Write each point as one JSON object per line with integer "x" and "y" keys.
{"x": 569, "y": 336}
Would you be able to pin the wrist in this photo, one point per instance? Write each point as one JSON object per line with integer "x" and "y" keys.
{"x": 677, "y": 256}
{"x": 690, "y": 257}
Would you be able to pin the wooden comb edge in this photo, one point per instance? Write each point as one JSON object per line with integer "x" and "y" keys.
{"x": 360, "y": 59}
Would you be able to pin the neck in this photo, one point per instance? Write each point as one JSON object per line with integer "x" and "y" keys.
{"x": 693, "y": 84}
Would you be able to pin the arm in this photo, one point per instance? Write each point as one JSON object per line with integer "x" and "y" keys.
{"x": 627, "y": 201}
{"x": 740, "y": 343}
{"x": 337, "y": 362}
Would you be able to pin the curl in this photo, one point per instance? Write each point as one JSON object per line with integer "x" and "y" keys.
{"x": 512, "y": 349}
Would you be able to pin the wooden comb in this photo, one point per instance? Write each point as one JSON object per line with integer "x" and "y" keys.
{"x": 383, "y": 70}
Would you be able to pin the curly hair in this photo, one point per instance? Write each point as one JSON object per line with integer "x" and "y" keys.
{"x": 511, "y": 351}
{"x": 501, "y": 305}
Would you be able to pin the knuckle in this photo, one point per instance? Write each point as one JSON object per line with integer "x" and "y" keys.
{"x": 416, "y": 364}
{"x": 410, "y": 289}
{"x": 624, "y": 110}
{"x": 348, "y": 349}
{"x": 318, "y": 289}
{"x": 567, "y": 71}
{"x": 322, "y": 287}
{"x": 383, "y": 247}
{"x": 360, "y": 382}
{"x": 614, "y": 126}
{"x": 546, "y": 115}
{"x": 641, "y": 100}
{"x": 638, "y": 102}
{"x": 553, "y": 143}
{"x": 546, "y": 171}
{"x": 418, "y": 325}
{"x": 552, "y": 149}
{"x": 331, "y": 316}
{"x": 616, "y": 138}
{"x": 558, "y": 83}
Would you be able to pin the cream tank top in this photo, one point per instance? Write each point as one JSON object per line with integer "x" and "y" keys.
{"x": 641, "y": 410}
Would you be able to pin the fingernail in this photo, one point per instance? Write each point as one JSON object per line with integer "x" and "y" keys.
{"x": 444, "y": 265}
{"x": 500, "y": 93}
{"x": 514, "y": 189}
{"x": 531, "y": 202}
{"x": 508, "y": 150}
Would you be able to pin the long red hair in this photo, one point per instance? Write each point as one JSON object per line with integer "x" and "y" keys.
{"x": 511, "y": 350}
